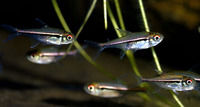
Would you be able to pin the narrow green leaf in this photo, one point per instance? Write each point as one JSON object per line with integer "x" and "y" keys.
{"x": 105, "y": 14}
{"x": 153, "y": 50}
{"x": 77, "y": 45}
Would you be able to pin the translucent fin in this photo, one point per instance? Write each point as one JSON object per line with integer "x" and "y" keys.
{"x": 95, "y": 44}
{"x": 122, "y": 53}
{"x": 34, "y": 43}
{"x": 43, "y": 23}
{"x": 11, "y": 29}
{"x": 176, "y": 92}
{"x": 123, "y": 32}
{"x": 11, "y": 36}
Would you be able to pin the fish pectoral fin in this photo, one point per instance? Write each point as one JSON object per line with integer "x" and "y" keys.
{"x": 175, "y": 91}
{"x": 123, "y": 32}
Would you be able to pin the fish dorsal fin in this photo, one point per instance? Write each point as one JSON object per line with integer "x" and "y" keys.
{"x": 123, "y": 32}
{"x": 41, "y": 22}
{"x": 159, "y": 71}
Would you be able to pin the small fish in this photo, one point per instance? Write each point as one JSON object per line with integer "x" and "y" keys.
{"x": 108, "y": 90}
{"x": 47, "y": 55}
{"x": 45, "y": 35}
{"x": 176, "y": 81}
{"x": 133, "y": 41}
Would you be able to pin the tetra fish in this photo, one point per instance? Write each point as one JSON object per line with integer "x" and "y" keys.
{"x": 108, "y": 90}
{"x": 45, "y": 35}
{"x": 47, "y": 55}
{"x": 131, "y": 41}
{"x": 176, "y": 81}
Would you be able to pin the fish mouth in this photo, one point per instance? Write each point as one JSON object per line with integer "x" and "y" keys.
{"x": 85, "y": 88}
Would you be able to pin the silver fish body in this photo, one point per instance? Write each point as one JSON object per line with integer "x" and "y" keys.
{"x": 176, "y": 81}
{"x": 131, "y": 41}
{"x": 135, "y": 41}
{"x": 108, "y": 90}
{"x": 46, "y": 35}
{"x": 47, "y": 55}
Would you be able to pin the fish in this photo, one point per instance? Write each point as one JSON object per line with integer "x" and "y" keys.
{"x": 176, "y": 81}
{"x": 130, "y": 41}
{"x": 46, "y": 35}
{"x": 108, "y": 89}
{"x": 47, "y": 55}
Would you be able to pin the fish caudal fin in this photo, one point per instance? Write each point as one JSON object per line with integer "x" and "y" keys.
{"x": 95, "y": 44}
{"x": 11, "y": 29}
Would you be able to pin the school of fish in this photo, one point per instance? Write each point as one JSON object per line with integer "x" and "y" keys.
{"x": 175, "y": 81}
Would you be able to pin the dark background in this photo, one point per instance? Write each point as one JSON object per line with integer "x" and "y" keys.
{"x": 178, "y": 21}
{"x": 179, "y": 49}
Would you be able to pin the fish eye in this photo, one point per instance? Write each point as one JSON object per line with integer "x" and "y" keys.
{"x": 189, "y": 81}
{"x": 156, "y": 37}
{"x": 91, "y": 87}
{"x": 69, "y": 37}
{"x": 33, "y": 55}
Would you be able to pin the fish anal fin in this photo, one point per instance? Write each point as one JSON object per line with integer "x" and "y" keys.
{"x": 122, "y": 53}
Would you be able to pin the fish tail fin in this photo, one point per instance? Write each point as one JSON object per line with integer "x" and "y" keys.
{"x": 11, "y": 29}
{"x": 97, "y": 45}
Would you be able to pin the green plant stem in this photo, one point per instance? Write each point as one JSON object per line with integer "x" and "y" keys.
{"x": 83, "y": 24}
{"x": 77, "y": 45}
{"x": 119, "y": 14}
{"x": 105, "y": 14}
{"x": 129, "y": 52}
{"x": 148, "y": 30}
{"x": 60, "y": 16}
{"x": 153, "y": 51}
{"x": 176, "y": 98}
{"x": 87, "y": 17}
